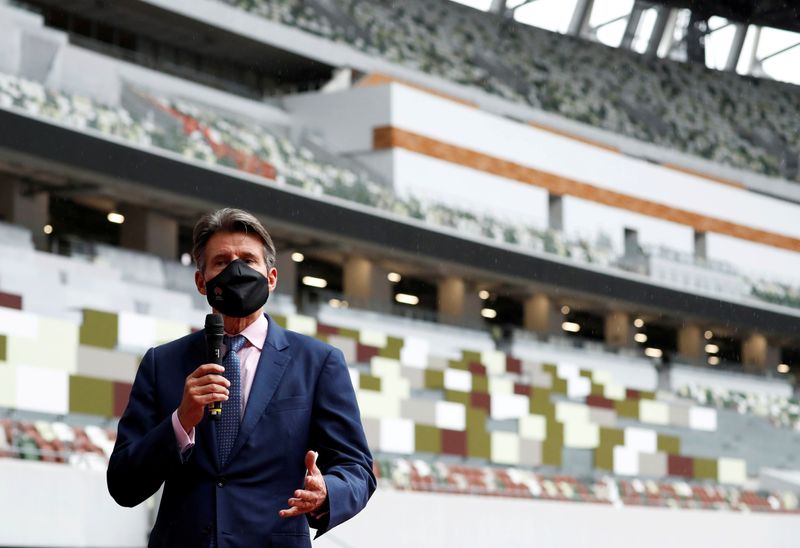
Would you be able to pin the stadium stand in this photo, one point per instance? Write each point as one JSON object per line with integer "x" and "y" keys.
{"x": 55, "y": 441}
{"x": 209, "y": 136}
{"x": 780, "y": 411}
{"x": 423, "y": 389}
{"x": 89, "y": 446}
{"x": 688, "y": 108}
{"x": 419, "y": 475}
{"x": 449, "y": 407}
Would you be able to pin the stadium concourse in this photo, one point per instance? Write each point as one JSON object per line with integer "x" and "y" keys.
{"x": 565, "y": 287}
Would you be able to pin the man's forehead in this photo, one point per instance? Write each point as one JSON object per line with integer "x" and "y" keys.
{"x": 230, "y": 250}
{"x": 229, "y": 242}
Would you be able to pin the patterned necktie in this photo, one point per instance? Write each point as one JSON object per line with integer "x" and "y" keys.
{"x": 228, "y": 425}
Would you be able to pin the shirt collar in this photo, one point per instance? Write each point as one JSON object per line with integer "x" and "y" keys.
{"x": 256, "y": 332}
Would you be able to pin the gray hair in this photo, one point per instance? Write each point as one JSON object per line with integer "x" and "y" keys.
{"x": 229, "y": 220}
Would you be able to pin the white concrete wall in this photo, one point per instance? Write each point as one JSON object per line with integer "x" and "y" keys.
{"x": 586, "y": 218}
{"x": 77, "y": 70}
{"x": 18, "y": 27}
{"x": 45, "y": 504}
{"x": 347, "y": 120}
{"x": 487, "y": 133}
{"x": 759, "y": 260}
{"x": 401, "y": 519}
{"x": 464, "y": 188}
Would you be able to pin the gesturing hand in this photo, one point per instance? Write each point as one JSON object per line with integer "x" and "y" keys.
{"x": 204, "y": 386}
{"x": 313, "y": 496}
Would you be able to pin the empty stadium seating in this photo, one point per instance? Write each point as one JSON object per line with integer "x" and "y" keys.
{"x": 90, "y": 370}
{"x": 779, "y": 410}
{"x": 212, "y": 137}
{"x": 89, "y": 447}
{"x": 439, "y": 477}
{"x": 684, "y": 107}
{"x": 437, "y": 394}
{"x": 518, "y": 424}
{"x": 86, "y": 446}
{"x": 212, "y": 134}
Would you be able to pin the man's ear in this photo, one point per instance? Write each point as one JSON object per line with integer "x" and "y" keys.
{"x": 200, "y": 282}
{"x": 272, "y": 277}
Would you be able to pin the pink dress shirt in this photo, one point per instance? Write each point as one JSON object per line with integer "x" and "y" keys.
{"x": 256, "y": 335}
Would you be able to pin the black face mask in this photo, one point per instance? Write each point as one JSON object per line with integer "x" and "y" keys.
{"x": 237, "y": 291}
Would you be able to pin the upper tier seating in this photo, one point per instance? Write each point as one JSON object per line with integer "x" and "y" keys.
{"x": 214, "y": 138}
{"x": 742, "y": 122}
{"x": 780, "y": 411}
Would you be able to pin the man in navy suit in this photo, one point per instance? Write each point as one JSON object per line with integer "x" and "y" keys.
{"x": 289, "y": 450}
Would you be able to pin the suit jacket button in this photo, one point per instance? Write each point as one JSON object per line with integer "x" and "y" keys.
{"x": 220, "y": 482}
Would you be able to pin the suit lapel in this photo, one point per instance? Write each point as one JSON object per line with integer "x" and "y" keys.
{"x": 271, "y": 366}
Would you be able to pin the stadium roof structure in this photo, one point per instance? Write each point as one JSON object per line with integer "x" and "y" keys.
{"x": 742, "y": 14}
{"x": 779, "y": 14}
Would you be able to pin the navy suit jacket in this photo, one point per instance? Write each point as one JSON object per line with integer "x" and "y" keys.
{"x": 301, "y": 399}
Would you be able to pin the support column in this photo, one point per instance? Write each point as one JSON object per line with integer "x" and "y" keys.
{"x": 773, "y": 356}
{"x": 364, "y": 283}
{"x": 381, "y": 290}
{"x": 736, "y": 47}
{"x": 632, "y": 26}
{"x": 458, "y": 302}
{"x": 149, "y": 231}
{"x": 700, "y": 245}
{"x": 696, "y": 34}
{"x": 451, "y": 297}
{"x": 755, "y": 352}
{"x": 659, "y": 28}
{"x": 618, "y": 329}
{"x": 691, "y": 341}
{"x": 580, "y": 17}
{"x": 498, "y": 7}
{"x": 668, "y": 40}
{"x": 539, "y": 314}
{"x": 631, "y": 239}
{"x": 287, "y": 273}
{"x": 357, "y": 279}
{"x": 753, "y": 65}
{"x": 472, "y": 305}
{"x": 22, "y": 207}
{"x": 555, "y": 212}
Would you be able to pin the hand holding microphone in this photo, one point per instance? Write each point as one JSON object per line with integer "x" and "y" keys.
{"x": 206, "y": 385}
{"x": 215, "y": 332}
